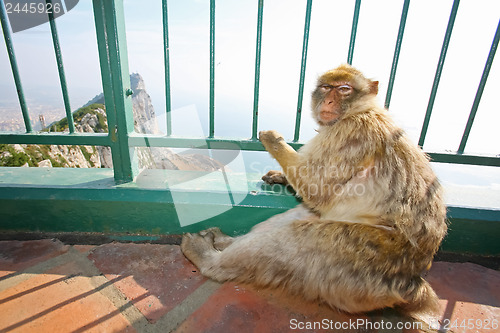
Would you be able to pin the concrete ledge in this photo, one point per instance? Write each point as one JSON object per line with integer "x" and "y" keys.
{"x": 163, "y": 202}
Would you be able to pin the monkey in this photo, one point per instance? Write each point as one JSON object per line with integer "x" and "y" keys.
{"x": 372, "y": 215}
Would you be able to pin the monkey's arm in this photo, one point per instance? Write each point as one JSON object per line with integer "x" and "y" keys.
{"x": 286, "y": 156}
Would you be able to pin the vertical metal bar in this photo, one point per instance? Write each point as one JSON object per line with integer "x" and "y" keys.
{"x": 60, "y": 68}
{"x": 439, "y": 70}
{"x": 257, "y": 70}
{"x": 397, "y": 51}
{"x": 212, "y": 69}
{"x": 302, "y": 70}
{"x": 112, "y": 45}
{"x": 480, "y": 90}
{"x": 13, "y": 64}
{"x": 354, "y": 28}
{"x": 168, "y": 103}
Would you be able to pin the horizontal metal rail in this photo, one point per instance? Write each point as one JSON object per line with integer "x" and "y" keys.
{"x": 143, "y": 140}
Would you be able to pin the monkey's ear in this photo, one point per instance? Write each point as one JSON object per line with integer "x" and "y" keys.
{"x": 374, "y": 87}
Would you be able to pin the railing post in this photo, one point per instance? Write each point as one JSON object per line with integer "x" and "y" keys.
{"x": 397, "y": 51}
{"x": 439, "y": 70}
{"x": 211, "y": 130}
{"x": 480, "y": 90}
{"x": 60, "y": 68}
{"x": 166, "y": 60}
{"x": 258, "y": 48}
{"x": 13, "y": 65}
{"x": 112, "y": 45}
{"x": 354, "y": 29}
{"x": 303, "y": 63}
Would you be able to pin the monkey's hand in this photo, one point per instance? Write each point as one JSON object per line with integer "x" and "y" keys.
{"x": 271, "y": 140}
{"x": 275, "y": 177}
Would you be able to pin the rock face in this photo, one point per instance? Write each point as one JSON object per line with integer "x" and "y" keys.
{"x": 91, "y": 118}
{"x": 144, "y": 115}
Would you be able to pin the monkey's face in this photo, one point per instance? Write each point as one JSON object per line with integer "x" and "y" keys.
{"x": 337, "y": 90}
{"x": 332, "y": 99}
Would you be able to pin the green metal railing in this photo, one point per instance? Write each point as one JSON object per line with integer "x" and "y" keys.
{"x": 257, "y": 71}
{"x": 439, "y": 70}
{"x": 13, "y": 65}
{"x": 166, "y": 50}
{"x": 110, "y": 30}
{"x": 397, "y": 51}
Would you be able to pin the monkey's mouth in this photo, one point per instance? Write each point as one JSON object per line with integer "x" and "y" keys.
{"x": 328, "y": 116}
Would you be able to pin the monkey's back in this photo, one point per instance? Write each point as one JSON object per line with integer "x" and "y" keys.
{"x": 400, "y": 191}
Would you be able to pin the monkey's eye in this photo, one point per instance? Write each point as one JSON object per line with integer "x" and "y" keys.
{"x": 344, "y": 89}
{"x": 326, "y": 87}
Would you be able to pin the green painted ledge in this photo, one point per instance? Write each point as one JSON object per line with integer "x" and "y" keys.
{"x": 172, "y": 202}
{"x": 88, "y": 200}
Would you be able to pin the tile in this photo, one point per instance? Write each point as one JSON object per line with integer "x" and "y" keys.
{"x": 84, "y": 248}
{"x": 156, "y": 278}
{"x": 470, "y": 296}
{"x": 60, "y": 300}
{"x": 19, "y": 255}
{"x": 236, "y": 308}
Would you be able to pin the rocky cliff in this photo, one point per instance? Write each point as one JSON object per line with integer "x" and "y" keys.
{"x": 91, "y": 118}
{"x": 144, "y": 114}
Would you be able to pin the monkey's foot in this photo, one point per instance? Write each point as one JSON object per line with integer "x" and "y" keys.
{"x": 197, "y": 248}
{"x": 275, "y": 177}
{"x": 271, "y": 140}
{"x": 220, "y": 240}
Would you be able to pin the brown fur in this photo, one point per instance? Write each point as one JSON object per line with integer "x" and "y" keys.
{"x": 372, "y": 216}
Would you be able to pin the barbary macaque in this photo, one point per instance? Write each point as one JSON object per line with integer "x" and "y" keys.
{"x": 371, "y": 219}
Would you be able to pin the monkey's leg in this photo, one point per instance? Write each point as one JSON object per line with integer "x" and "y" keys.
{"x": 256, "y": 255}
{"x": 197, "y": 247}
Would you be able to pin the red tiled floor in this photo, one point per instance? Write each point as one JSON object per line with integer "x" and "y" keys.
{"x": 236, "y": 308}
{"x": 60, "y": 300}
{"x": 155, "y": 277}
{"x": 470, "y": 296}
{"x": 84, "y": 248}
{"x": 19, "y": 255}
{"x": 153, "y": 288}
